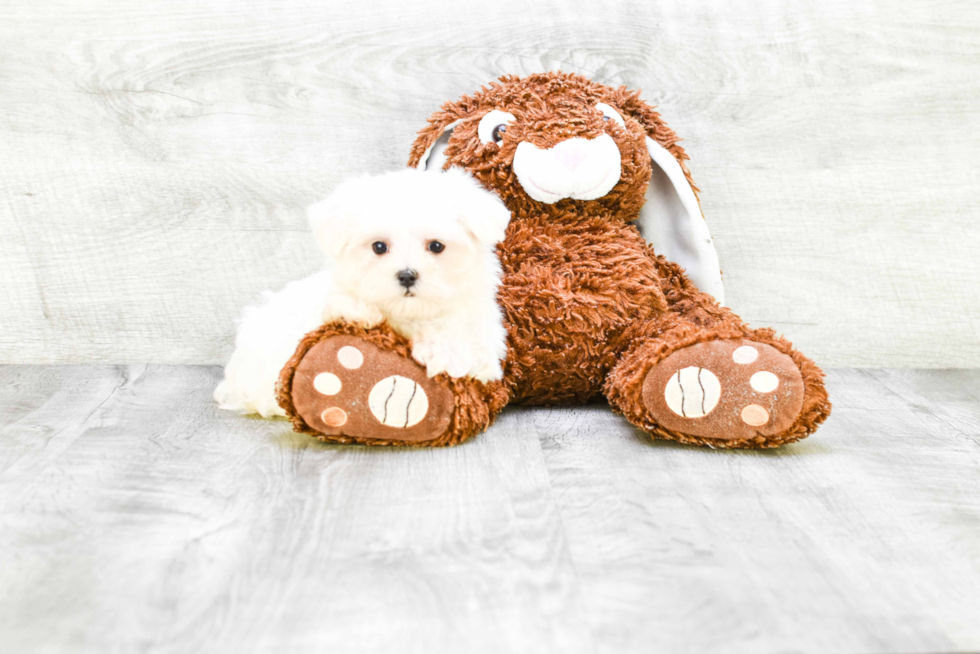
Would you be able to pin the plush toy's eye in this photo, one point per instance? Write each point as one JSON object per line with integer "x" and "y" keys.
{"x": 608, "y": 113}
{"x": 379, "y": 247}
{"x": 493, "y": 125}
{"x": 435, "y": 247}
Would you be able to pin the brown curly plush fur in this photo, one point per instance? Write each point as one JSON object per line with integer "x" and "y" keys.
{"x": 589, "y": 307}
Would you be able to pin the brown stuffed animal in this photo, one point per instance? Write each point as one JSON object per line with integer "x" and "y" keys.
{"x": 591, "y": 173}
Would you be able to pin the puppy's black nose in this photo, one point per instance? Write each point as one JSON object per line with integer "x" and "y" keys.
{"x": 407, "y": 277}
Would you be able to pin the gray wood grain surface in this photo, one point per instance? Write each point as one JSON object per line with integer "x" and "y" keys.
{"x": 156, "y": 157}
{"x": 134, "y": 516}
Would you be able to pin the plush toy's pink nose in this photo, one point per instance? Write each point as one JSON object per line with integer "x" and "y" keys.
{"x": 571, "y": 152}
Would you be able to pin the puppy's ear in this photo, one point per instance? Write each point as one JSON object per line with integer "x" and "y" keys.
{"x": 482, "y": 212}
{"x": 332, "y": 219}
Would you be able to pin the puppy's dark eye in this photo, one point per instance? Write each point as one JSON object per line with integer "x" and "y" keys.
{"x": 379, "y": 247}
{"x": 607, "y": 118}
{"x": 498, "y": 133}
{"x": 435, "y": 247}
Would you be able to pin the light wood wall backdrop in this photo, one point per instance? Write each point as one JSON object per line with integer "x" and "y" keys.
{"x": 155, "y": 158}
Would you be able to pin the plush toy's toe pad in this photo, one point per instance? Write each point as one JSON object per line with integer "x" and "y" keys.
{"x": 347, "y": 386}
{"x": 725, "y": 390}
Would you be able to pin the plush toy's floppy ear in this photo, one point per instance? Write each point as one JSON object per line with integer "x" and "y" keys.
{"x": 435, "y": 139}
{"x": 671, "y": 222}
{"x": 482, "y": 212}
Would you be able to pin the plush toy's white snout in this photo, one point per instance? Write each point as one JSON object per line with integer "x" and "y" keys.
{"x": 570, "y": 153}
{"x": 582, "y": 169}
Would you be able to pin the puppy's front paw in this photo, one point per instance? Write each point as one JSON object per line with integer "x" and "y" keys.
{"x": 342, "y": 307}
{"x": 490, "y": 371}
{"x": 456, "y": 360}
{"x": 440, "y": 357}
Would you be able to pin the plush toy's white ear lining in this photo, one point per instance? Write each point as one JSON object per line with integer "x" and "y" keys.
{"x": 434, "y": 158}
{"x": 671, "y": 222}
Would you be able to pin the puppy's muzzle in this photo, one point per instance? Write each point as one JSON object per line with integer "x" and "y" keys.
{"x": 407, "y": 278}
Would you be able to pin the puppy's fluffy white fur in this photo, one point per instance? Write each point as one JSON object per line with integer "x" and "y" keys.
{"x": 450, "y": 313}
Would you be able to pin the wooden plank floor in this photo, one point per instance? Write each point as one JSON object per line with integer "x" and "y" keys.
{"x": 135, "y": 516}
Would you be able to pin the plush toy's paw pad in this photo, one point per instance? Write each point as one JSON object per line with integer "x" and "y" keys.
{"x": 347, "y": 386}
{"x": 725, "y": 390}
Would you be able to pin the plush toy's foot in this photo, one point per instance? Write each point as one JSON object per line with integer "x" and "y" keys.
{"x": 725, "y": 390}
{"x": 346, "y": 384}
{"x": 730, "y": 392}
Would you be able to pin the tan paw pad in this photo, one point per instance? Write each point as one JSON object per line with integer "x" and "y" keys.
{"x": 350, "y": 357}
{"x": 692, "y": 392}
{"x": 764, "y": 382}
{"x": 398, "y": 401}
{"x": 745, "y": 355}
{"x": 327, "y": 383}
{"x": 334, "y": 416}
{"x": 755, "y": 415}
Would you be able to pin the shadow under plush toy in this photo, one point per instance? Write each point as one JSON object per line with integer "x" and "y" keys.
{"x": 611, "y": 287}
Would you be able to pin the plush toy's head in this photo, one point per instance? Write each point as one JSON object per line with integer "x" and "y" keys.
{"x": 551, "y": 139}
{"x": 557, "y": 143}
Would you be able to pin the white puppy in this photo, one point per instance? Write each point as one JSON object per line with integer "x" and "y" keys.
{"x": 411, "y": 247}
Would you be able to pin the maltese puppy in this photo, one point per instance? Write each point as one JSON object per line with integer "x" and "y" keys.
{"x": 413, "y": 248}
